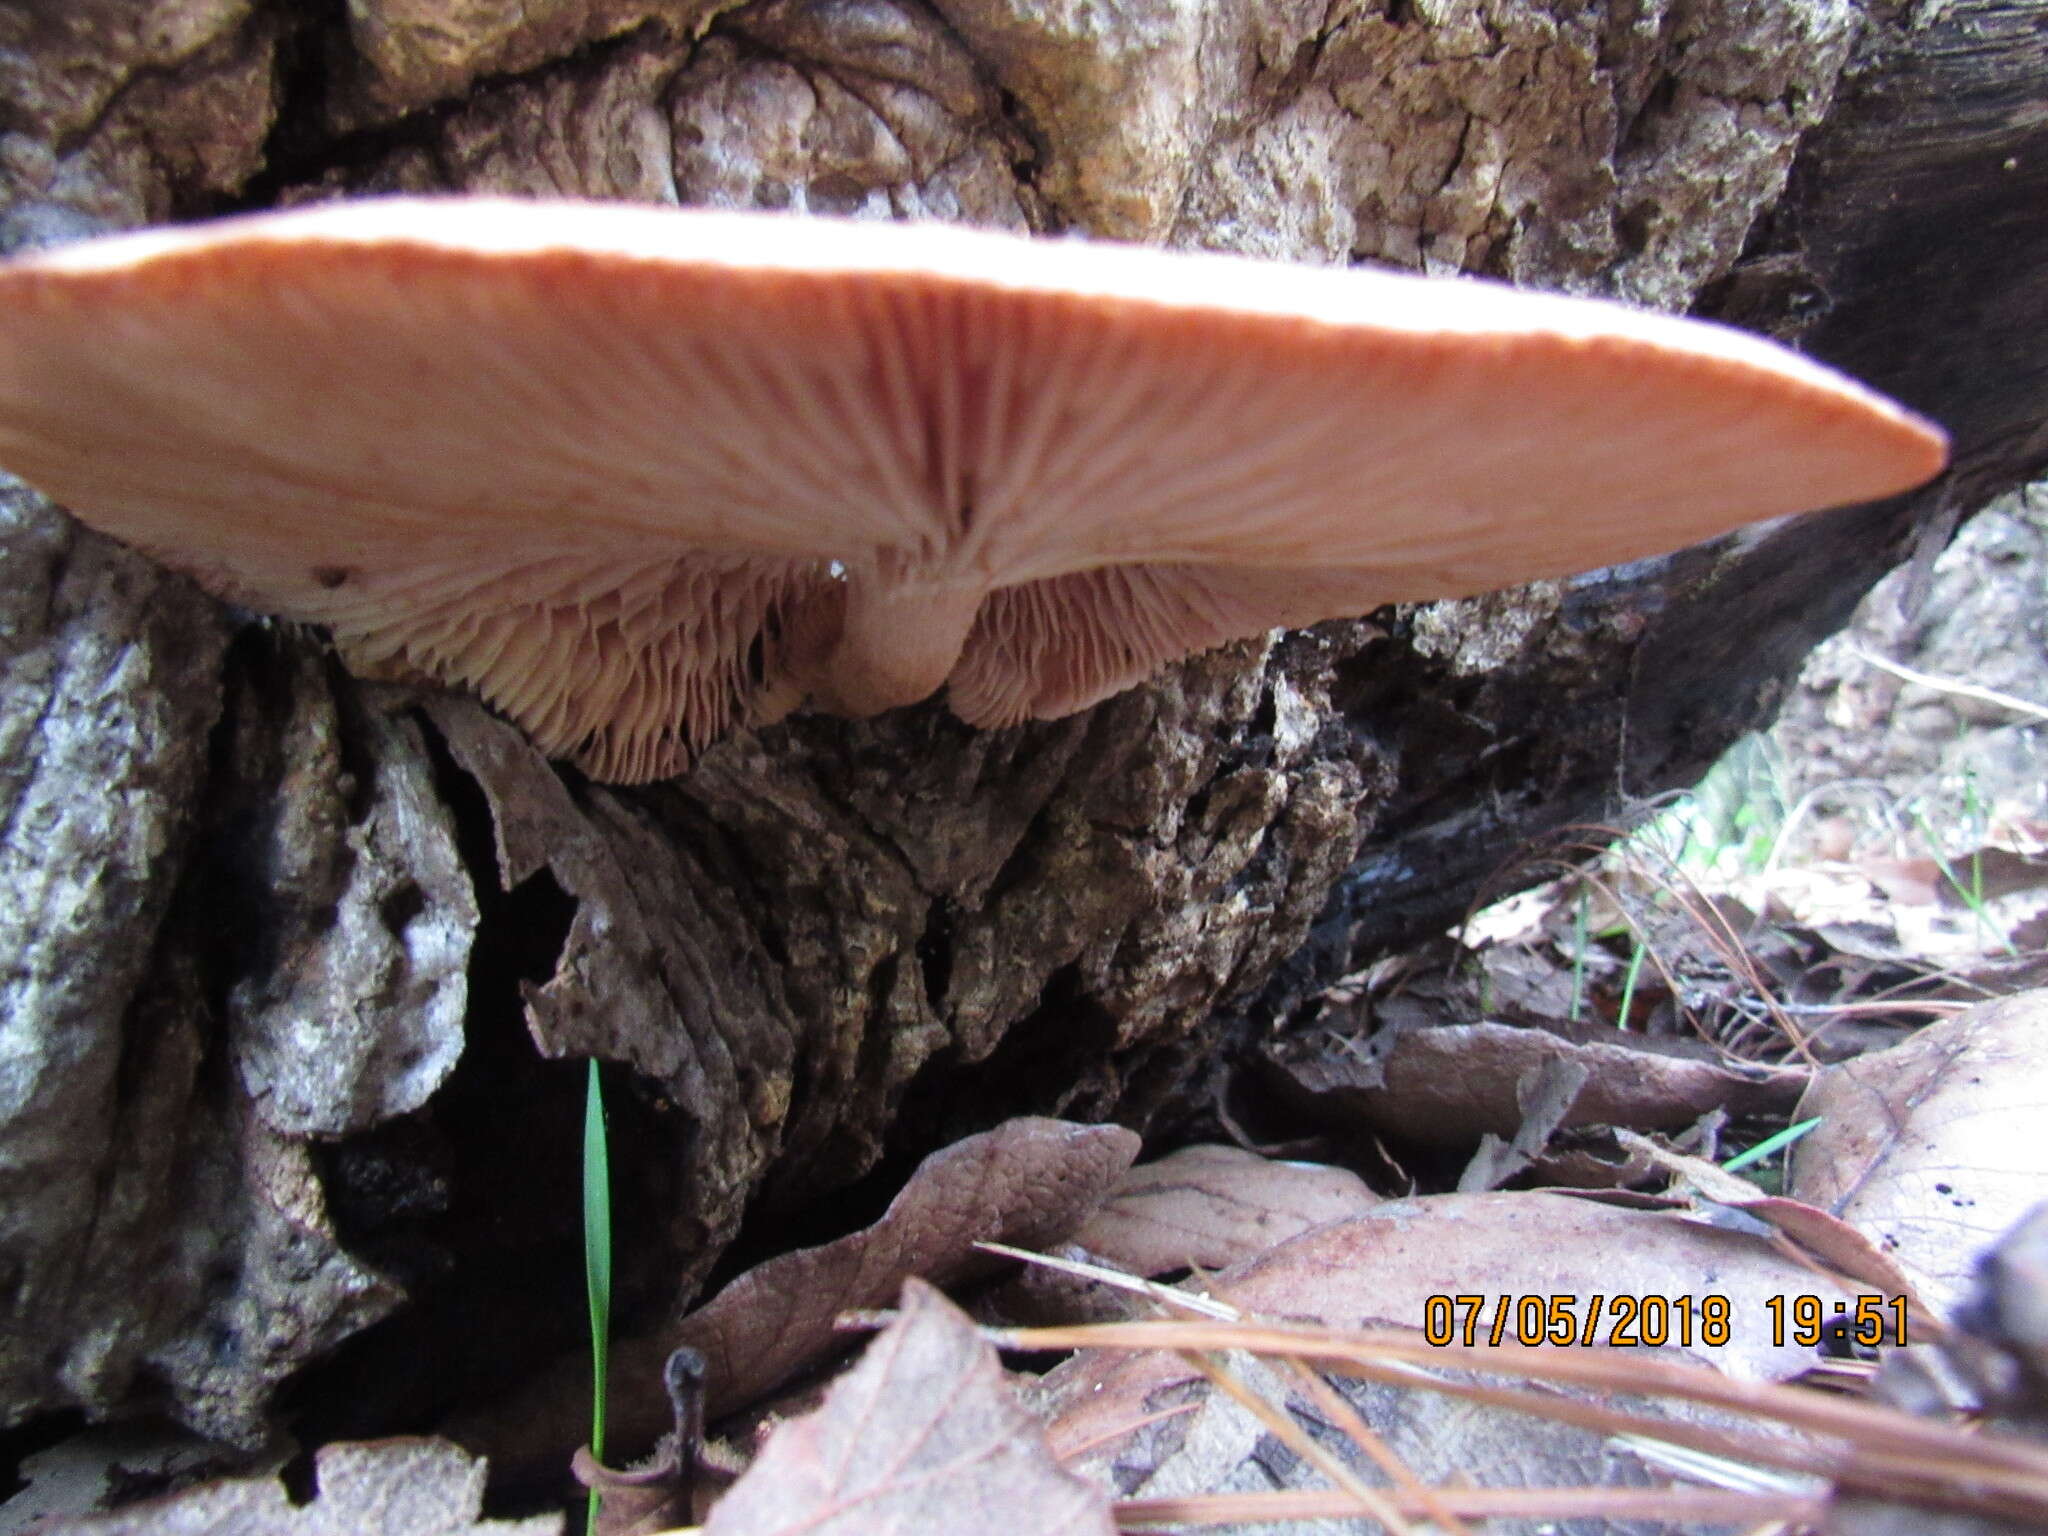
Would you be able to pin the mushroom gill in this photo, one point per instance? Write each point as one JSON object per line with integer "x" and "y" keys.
{"x": 640, "y": 476}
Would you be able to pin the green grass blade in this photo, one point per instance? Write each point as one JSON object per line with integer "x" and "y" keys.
{"x": 597, "y": 1260}
{"x": 1579, "y": 956}
{"x": 1628, "y": 987}
{"x": 1768, "y": 1145}
{"x": 1970, "y": 893}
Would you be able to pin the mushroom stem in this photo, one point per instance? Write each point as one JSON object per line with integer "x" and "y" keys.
{"x": 897, "y": 644}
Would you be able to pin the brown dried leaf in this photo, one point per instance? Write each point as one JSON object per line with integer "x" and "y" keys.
{"x": 640, "y": 1502}
{"x": 1213, "y": 1205}
{"x": 923, "y": 1435}
{"x": 1985, "y": 874}
{"x": 1990, "y": 976}
{"x": 1919, "y": 910}
{"x": 1829, "y": 1239}
{"x": 1523, "y": 982}
{"x": 1029, "y": 1182}
{"x": 660, "y": 1493}
{"x": 1911, "y": 882}
{"x": 408, "y": 1487}
{"x": 1156, "y": 1429}
{"x": 1450, "y": 1085}
{"x": 1546, "y": 1095}
{"x": 1588, "y": 1162}
{"x": 1933, "y": 1148}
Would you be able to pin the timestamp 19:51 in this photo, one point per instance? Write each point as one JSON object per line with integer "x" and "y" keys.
{"x": 1805, "y": 1320}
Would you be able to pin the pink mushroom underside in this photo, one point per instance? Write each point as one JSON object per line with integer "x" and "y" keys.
{"x": 635, "y": 499}
{"x": 1049, "y": 648}
{"x": 630, "y": 668}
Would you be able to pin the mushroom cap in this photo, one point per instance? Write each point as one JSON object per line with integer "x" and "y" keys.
{"x": 638, "y": 474}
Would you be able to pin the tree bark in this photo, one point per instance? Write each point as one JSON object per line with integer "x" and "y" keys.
{"x": 296, "y": 959}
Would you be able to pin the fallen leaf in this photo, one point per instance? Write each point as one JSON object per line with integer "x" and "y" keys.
{"x": 922, "y": 1436}
{"x": 1150, "y": 1426}
{"x": 1546, "y": 1094}
{"x": 1934, "y": 1148}
{"x": 1980, "y": 875}
{"x": 1588, "y": 1160}
{"x": 1997, "y": 975}
{"x": 660, "y": 1493}
{"x": 1723, "y": 1196}
{"x": 1558, "y": 1252}
{"x": 406, "y": 1487}
{"x": 1448, "y": 1086}
{"x": 1524, "y": 983}
{"x": 1213, "y": 1205}
{"x": 641, "y": 1501}
{"x": 1029, "y": 1183}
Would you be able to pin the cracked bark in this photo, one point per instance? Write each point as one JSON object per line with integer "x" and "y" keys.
{"x": 252, "y": 898}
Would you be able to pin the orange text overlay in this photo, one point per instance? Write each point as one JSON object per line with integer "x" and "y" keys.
{"x": 1707, "y": 1320}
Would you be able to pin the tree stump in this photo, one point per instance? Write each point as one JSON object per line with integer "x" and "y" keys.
{"x": 296, "y": 960}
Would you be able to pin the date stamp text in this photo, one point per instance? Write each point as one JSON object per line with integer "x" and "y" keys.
{"x": 1707, "y": 1320}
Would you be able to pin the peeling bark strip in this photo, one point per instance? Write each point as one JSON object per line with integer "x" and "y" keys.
{"x": 831, "y": 937}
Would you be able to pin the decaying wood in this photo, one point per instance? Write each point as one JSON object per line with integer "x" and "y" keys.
{"x": 250, "y": 896}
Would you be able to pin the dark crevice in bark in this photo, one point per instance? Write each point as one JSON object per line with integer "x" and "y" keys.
{"x": 489, "y": 1174}
{"x": 1635, "y": 133}
{"x": 25, "y": 1440}
{"x": 935, "y": 954}
{"x": 230, "y": 879}
{"x": 306, "y": 148}
{"x": 1034, "y": 1070}
{"x": 302, "y": 145}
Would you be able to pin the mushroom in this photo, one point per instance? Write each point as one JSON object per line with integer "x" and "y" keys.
{"x": 638, "y": 475}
